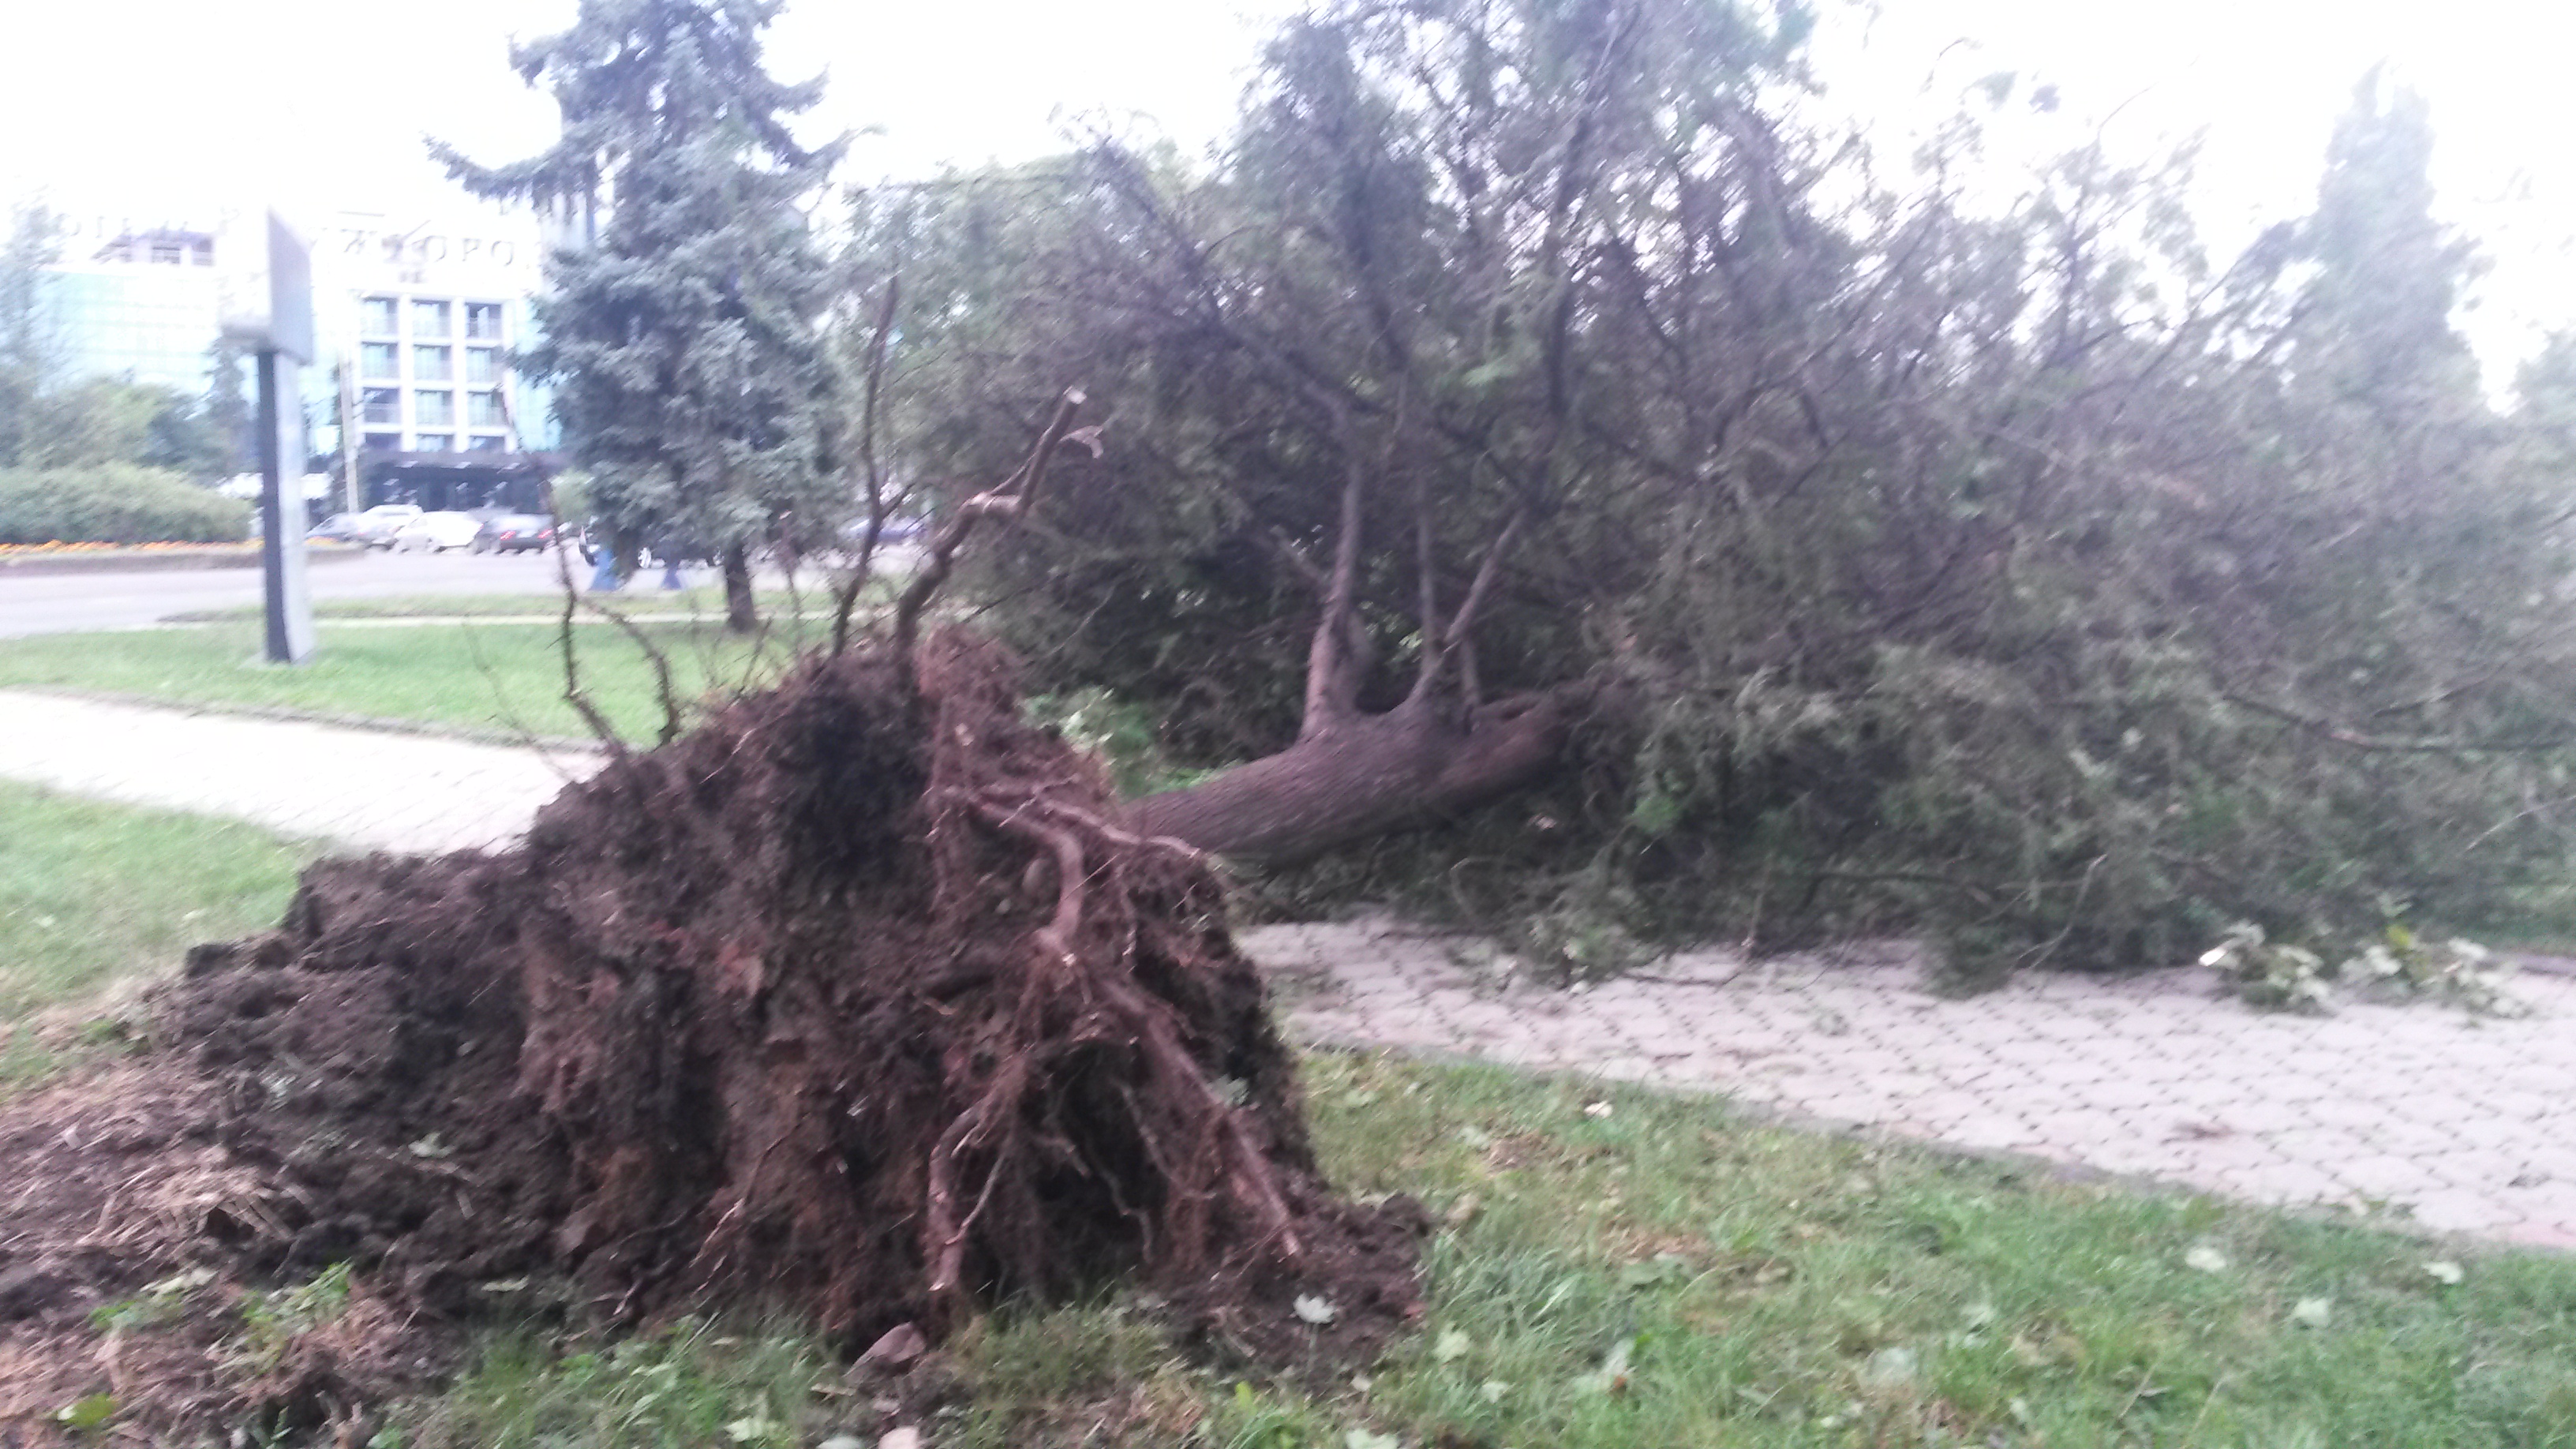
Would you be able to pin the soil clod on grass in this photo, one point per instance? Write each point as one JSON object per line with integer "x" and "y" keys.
{"x": 855, "y": 1001}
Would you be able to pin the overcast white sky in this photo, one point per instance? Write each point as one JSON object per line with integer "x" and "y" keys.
{"x": 177, "y": 105}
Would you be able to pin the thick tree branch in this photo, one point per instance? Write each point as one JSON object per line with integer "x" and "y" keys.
{"x": 1439, "y": 647}
{"x": 1336, "y": 660}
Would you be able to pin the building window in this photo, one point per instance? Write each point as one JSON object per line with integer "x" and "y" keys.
{"x": 428, "y": 319}
{"x": 376, "y": 316}
{"x": 482, "y": 364}
{"x": 483, "y": 321}
{"x": 483, "y": 443}
{"x": 169, "y": 252}
{"x": 483, "y": 410}
{"x": 379, "y": 360}
{"x": 384, "y": 442}
{"x": 430, "y": 364}
{"x": 433, "y": 407}
{"x": 382, "y": 405}
{"x": 438, "y": 442}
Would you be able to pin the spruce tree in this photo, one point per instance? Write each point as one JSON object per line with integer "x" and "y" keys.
{"x": 679, "y": 329}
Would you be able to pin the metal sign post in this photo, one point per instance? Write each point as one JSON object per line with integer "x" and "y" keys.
{"x": 273, "y": 311}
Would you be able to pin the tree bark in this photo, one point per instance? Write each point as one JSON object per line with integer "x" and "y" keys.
{"x": 742, "y": 616}
{"x": 1364, "y": 775}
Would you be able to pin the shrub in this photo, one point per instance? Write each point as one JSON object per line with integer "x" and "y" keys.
{"x": 114, "y": 503}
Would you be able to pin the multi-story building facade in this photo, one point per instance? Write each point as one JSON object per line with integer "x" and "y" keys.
{"x": 425, "y": 318}
{"x": 416, "y": 316}
{"x": 137, "y": 298}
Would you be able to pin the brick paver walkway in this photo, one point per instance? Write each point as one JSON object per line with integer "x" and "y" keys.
{"x": 2468, "y": 1123}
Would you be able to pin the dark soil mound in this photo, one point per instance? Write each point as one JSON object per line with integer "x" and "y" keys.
{"x": 852, "y": 1001}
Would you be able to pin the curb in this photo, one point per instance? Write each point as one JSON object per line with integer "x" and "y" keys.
{"x": 158, "y": 561}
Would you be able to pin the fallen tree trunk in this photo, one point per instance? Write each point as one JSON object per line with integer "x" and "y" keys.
{"x": 1367, "y": 773}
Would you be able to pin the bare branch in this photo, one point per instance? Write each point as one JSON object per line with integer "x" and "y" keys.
{"x": 1010, "y": 502}
{"x": 846, "y": 595}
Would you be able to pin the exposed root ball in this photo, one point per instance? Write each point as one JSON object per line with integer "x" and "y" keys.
{"x": 852, "y": 1001}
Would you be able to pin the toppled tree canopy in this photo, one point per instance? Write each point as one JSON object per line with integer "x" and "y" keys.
{"x": 848, "y": 1002}
{"x": 1876, "y": 553}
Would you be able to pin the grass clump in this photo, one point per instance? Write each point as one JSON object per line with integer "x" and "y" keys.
{"x": 92, "y": 894}
{"x": 500, "y": 677}
{"x": 692, "y": 1382}
{"x": 705, "y": 601}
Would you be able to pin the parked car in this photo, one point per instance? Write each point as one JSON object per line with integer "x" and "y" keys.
{"x": 343, "y": 527}
{"x": 514, "y": 533}
{"x": 376, "y": 527}
{"x": 437, "y": 532}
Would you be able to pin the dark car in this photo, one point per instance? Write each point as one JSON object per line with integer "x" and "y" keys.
{"x": 514, "y": 533}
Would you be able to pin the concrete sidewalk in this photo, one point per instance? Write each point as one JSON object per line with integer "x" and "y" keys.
{"x": 354, "y": 787}
{"x": 2459, "y": 1123}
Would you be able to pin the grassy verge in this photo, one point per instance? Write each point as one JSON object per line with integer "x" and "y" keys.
{"x": 1666, "y": 1273}
{"x": 1618, "y": 1268}
{"x": 706, "y": 602}
{"x": 94, "y": 894}
{"x": 505, "y": 677}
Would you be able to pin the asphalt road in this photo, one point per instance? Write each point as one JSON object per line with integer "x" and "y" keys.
{"x": 68, "y": 603}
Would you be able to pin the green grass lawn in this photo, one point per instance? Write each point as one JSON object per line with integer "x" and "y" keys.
{"x": 1617, "y": 1268}
{"x": 506, "y": 677}
{"x": 705, "y": 601}
{"x": 94, "y": 894}
{"x": 1670, "y": 1273}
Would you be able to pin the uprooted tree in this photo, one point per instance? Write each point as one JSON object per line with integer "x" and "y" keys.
{"x": 856, "y": 999}
{"x": 1533, "y": 399}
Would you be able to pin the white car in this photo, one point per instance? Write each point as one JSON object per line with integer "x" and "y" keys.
{"x": 438, "y": 532}
{"x": 376, "y": 527}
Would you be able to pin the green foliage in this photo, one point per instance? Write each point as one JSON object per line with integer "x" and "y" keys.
{"x": 2293, "y": 978}
{"x": 693, "y": 1384}
{"x": 2014, "y": 570}
{"x": 273, "y": 1320}
{"x": 1120, "y": 734}
{"x": 679, "y": 336}
{"x": 114, "y": 503}
{"x": 50, "y": 419}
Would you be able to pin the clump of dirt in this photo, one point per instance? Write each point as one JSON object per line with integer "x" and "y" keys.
{"x": 854, "y": 1001}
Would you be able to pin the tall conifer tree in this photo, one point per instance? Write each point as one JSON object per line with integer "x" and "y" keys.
{"x": 680, "y": 327}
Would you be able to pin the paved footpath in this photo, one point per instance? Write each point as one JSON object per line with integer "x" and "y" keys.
{"x": 2467, "y": 1123}
{"x": 365, "y": 788}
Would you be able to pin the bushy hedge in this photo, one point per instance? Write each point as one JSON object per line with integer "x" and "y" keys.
{"x": 114, "y": 503}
